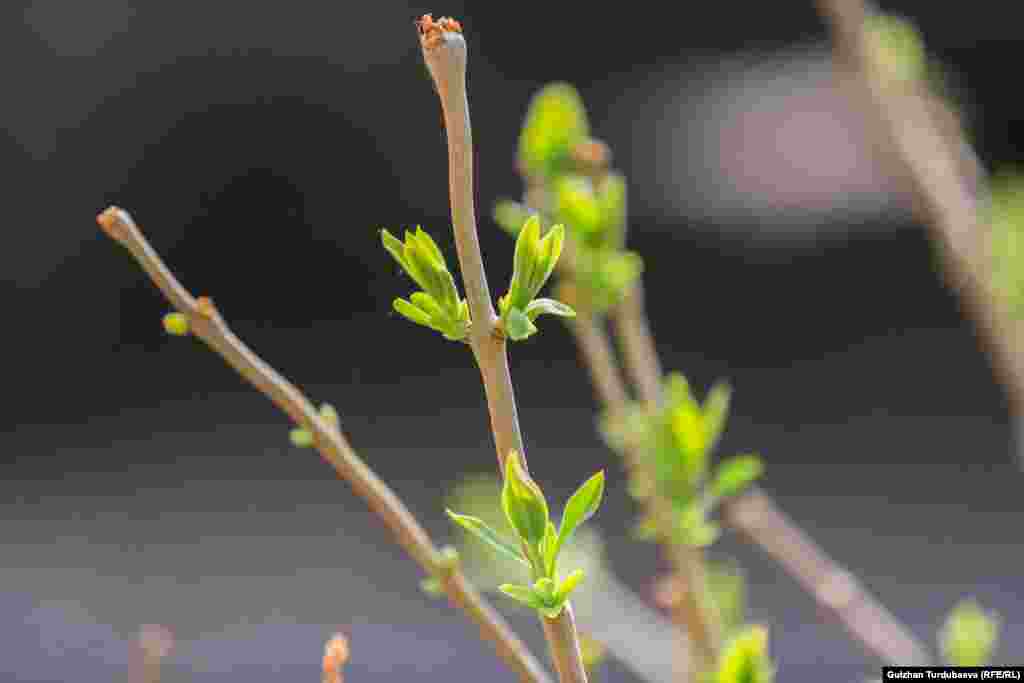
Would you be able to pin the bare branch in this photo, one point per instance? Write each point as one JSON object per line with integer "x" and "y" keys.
{"x": 206, "y": 323}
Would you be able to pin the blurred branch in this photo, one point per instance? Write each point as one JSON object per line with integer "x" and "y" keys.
{"x": 915, "y": 132}
{"x": 206, "y": 323}
{"x": 757, "y": 517}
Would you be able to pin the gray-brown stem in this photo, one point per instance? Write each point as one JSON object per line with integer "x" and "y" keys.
{"x": 445, "y": 54}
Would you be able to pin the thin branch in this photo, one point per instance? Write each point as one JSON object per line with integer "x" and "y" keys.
{"x": 837, "y": 590}
{"x": 702, "y": 628}
{"x": 444, "y": 51}
{"x": 911, "y": 131}
{"x": 633, "y": 331}
{"x": 206, "y": 323}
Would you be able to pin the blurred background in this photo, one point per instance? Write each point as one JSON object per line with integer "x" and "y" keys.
{"x": 263, "y": 145}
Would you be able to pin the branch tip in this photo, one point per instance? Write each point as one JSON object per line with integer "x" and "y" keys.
{"x": 114, "y": 222}
{"x": 433, "y": 32}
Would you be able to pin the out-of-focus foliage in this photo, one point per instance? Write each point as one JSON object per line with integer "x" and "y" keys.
{"x": 676, "y": 441}
{"x": 896, "y": 48}
{"x": 744, "y": 658}
{"x": 556, "y": 122}
{"x": 969, "y": 635}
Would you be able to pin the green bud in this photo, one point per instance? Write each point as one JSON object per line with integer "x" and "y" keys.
{"x": 511, "y": 216}
{"x": 329, "y": 414}
{"x": 447, "y": 559}
{"x": 611, "y": 198}
{"x": 594, "y": 652}
{"x": 556, "y": 121}
{"x": 897, "y": 49}
{"x": 523, "y": 503}
{"x": 176, "y": 324}
{"x": 744, "y": 658}
{"x": 1006, "y": 221}
{"x": 301, "y": 438}
{"x": 432, "y": 587}
{"x": 969, "y": 636}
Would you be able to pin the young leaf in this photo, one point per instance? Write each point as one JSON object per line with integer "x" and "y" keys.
{"x": 549, "y": 549}
{"x": 581, "y": 506}
{"x": 716, "y": 411}
{"x": 517, "y": 325}
{"x": 479, "y": 528}
{"x": 413, "y": 313}
{"x": 735, "y": 474}
{"x": 568, "y": 585}
{"x": 523, "y": 503}
{"x": 523, "y": 594}
{"x": 539, "y": 307}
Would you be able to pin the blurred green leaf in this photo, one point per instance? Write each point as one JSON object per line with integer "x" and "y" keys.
{"x": 969, "y": 635}
{"x": 556, "y": 121}
{"x": 735, "y": 474}
{"x": 744, "y": 659}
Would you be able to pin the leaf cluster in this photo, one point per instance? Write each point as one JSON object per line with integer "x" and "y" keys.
{"x": 539, "y": 540}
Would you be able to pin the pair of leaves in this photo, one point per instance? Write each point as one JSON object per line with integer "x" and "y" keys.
{"x": 438, "y": 306}
{"x": 545, "y": 595}
{"x": 534, "y": 261}
{"x": 540, "y": 542}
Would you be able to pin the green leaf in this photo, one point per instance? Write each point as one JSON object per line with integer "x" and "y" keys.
{"x": 716, "y": 412}
{"x": 969, "y": 635}
{"x": 576, "y": 205}
{"x": 694, "y": 528}
{"x": 581, "y": 506}
{"x": 511, "y": 216}
{"x": 479, "y": 528}
{"x": 611, "y": 199}
{"x": 517, "y": 325}
{"x": 523, "y": 503}
{"x": 523, "y": 594}
{"x": 413, "y": 313}
{"x": 540, "y": 307}
{"x": 549, "y": 549}
{"x": 735, "y": 474}
{"x": 555, "y": 123}
{"x": 568, "y": 585}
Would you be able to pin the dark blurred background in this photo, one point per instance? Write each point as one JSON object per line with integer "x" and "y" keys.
{"x": 263, "y": 145}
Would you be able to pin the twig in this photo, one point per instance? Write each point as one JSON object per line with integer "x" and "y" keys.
{"x": 699, "y": 622}
{"x": 444, "y": 51}
{"x": 910, "y": 127}
{"x": 206, "y": 323}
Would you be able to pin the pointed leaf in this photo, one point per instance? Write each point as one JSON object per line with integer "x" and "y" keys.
{"x": 413, "y": 313}
{"x": 735, "y": 474}
{"x": 716, "y": 411}
{"x": 569, "y": 584}
{"x": 540, "y": 307}
{"x": 394, "y": 247}
{"x": 549, "y": 549}
{"x": 479, "y": 528}
{"x": 581, "y": 506}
